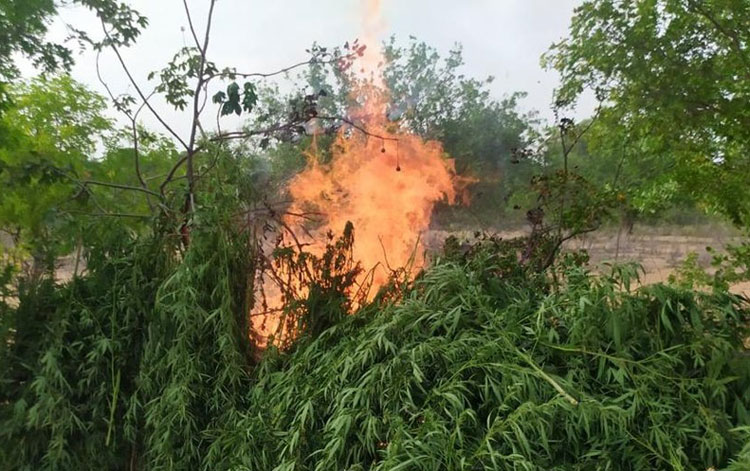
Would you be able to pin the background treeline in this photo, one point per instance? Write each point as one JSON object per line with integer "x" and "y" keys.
{"x": 59, "y": 137}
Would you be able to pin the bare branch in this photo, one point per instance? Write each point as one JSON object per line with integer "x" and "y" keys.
{"x": 136, "y": 152}
{"x": 170, "y": 175}
{"x": 281, "y": 127}
{"x": 120, "y": 186}
{"x": 138, "y": 89}
{"x": 357, "y": 127}
{"x": 192, "y": 29}
{"x": 280, "y": 71}
{"x": 108, "y": 214}
{"x": 105, "y": 85}
{"x": 197, "y": 106}
{"x": 247, "y": 134}
{"x": 587, "y": 128}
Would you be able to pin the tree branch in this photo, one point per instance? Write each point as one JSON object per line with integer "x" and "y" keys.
{"x": 192, "y": 29}
{"x": 197, "y": 107}
{"x": 107, "y": 214}
{"x": 136, "y": 152}
{"x": 170, "y": 175}
{"x": 120, "y": 186}
{"x": 138, "y": 89}
{"x": 356, "y": 126}
{"x": 280, "y": 71}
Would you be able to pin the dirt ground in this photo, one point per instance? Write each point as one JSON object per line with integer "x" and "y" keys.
{"x": 658, "y": 250}
{"x": 658, "y": 254}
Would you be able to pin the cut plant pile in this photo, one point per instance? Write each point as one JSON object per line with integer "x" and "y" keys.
{"x": 478, "y": 370}
{"x": 481, "y": 365}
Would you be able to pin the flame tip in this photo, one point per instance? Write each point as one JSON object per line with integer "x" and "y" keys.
{"x": 390, "y": 213}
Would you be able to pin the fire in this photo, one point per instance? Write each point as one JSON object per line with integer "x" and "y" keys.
{"x": 383, "y": 180}
{"x": 372, "y": 26}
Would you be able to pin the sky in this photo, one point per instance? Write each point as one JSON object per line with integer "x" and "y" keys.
{"x": 501, "y": 38}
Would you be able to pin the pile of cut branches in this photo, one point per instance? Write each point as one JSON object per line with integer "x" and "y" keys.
{"x": 144, "y": 363}
{"x": 483, "y": 368}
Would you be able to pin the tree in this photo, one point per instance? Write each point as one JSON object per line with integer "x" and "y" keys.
{"x": 24, "y": 25}
{"x": 674, "y": 77}
{"x": 53, "y": 126}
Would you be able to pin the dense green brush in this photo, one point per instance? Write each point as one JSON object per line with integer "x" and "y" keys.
{"x": 68, "y": 376}
{"x": 143, "y": 364}
{"x": 127, "y": 367}
{"x": 475, "y": 372}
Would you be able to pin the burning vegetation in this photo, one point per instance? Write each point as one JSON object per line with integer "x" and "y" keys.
{"x": 380, "y": 178}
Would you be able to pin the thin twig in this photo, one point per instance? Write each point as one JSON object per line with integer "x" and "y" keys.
{"x": 108, "y": 214}
{"x": 120, "y": 186}
{"x": 280, "y": 71}
{"x": 104, "y": 84}
{"x": 138, "y": 89}
{"x": 190, "y": 23}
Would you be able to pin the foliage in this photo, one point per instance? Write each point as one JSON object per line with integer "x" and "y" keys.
{"x": 54, "y": 126}
{"x": 23, "y": 29}
{"x": 316, "y": 291}
{"x": 23, "y": 26}
{"x": 728, "y": 267}
{"x": 642, "y": 185}
{"x": 70, "y": 369}
{"x": 193, "y": 375}
{"x": 482, "y": 364}
{"x": 478, "y": 370}
{"x": 64, "y": 167}
{"x": 673, "y": 77}
{"x": 567, "y": 198}
{"x": 140, "y": 357}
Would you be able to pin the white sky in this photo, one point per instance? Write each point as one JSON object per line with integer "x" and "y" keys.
{"x": 503, "y": 38}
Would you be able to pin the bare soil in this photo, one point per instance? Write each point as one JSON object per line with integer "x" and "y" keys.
{"x": 659, "y": 250}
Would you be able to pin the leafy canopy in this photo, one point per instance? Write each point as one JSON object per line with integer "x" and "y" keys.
{"x": 674, "y": 77}
{"x": 24, "y": 25}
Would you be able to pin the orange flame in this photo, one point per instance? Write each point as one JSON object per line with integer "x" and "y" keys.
{"x": 383, "y": 180}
